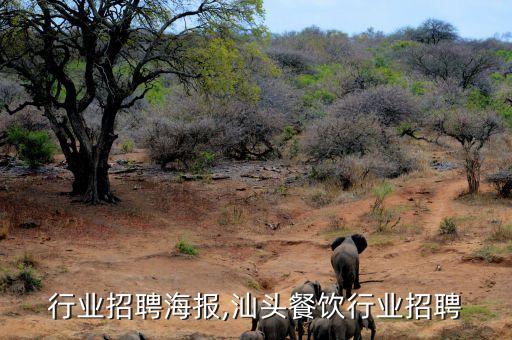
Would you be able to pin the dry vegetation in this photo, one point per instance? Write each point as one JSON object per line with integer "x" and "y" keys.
{"x": 229, "y": 191}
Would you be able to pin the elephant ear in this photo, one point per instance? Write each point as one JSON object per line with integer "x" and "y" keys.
{"x": 337, "y": 242}
{"x": 360, "y": 242}
{"x": 318, "y": 289}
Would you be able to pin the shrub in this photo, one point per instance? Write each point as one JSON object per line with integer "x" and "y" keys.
{"x": 448, "y": 227}
{"x": 24, "y": 281}
{"x": 502, "y": 182}
{"x": 333, "y": 138}
{"x": 385, "y": 218}
{"x": 170, "y": 141}
{"x": 186, "y": 248}
{"x": 246, "y": 132}
{"x": 34, "y": 147}
{"x": 127, "y": 145}
{"x": 392, "y": 105}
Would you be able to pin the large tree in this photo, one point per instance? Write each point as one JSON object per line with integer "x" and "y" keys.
{"x": 73, "y": 55}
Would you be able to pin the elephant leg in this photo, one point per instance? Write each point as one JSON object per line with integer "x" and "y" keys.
{"x": 300, "y": 328}
{"x": 309, "y": 330}
{"x": 357, "y": 285}
{"x": 339, "y": 280}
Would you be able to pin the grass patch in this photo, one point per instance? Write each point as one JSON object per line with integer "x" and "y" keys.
{"x": 253, "y": 284}
{"x": 501, "y": 232}
{"x": 27, "y": 260}
{"x": 25, "y": 280}
{"x": 480, "y": 312}
{"x": 490, "y": 253}
{"x": 37, "y": 308}
{"x": 319, "y": 198}
{"x": 186, "y": 248}
{"x": 430, "y": 248}
{"x": 233, "y": 215}
{"x": 380, "y": 240}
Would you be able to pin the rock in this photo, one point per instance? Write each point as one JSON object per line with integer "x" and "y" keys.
{"x": 29, "y": 225}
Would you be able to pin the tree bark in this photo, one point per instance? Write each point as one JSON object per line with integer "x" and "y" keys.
{"x": 473, "y": 173}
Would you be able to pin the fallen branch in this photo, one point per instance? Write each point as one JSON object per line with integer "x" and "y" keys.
{"x": 372, "y": 281}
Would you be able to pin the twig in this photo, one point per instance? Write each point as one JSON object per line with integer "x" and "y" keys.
{"x": 371, "y": 281}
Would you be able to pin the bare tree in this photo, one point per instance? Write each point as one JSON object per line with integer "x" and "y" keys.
{"x": 433, "y": 31}
{"x": 472, "y": 130}
{"x": 461, "y": 61}
{"x": 72, "y": 54}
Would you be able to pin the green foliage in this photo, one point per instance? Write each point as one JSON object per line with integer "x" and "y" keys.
{"x": 322, "y": 72}
{"x": 419, "y": 88}
{"x": 205, "y": 160}
{"x": 448, "y": 227}
{"x": 384, "y": 217}
{"x": 186, "y": 248}
{"x": 157, "y": 95}
{"x": 505, "y": 54}
{"x": 34, "y": 147}
{"x": 288, "y": 133}
{"x": 24, "y": 281}
{"x": 127, "y": 145}
{"x": 480, "y": 312}
{"x": 320, "y": 95}
{"x": 225, "y": 67}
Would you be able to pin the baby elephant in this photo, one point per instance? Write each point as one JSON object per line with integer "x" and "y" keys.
{"x": 252, "y": 335}
{"x": 311, "y": 288}
{"x": 348, "y": 327}
{"x": 345, "y": 262}
{"x": 319, "y": 329}
{"x": 276, "y": 327}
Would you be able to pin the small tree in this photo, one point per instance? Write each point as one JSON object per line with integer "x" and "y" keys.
{"x": 472, "y": 130}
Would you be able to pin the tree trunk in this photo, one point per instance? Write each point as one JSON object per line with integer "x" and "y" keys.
{"x": 473, "y": 173}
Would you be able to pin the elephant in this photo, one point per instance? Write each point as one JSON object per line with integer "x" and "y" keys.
{"x": 330, "y": 290}
{"x": 252, "y": 335}
{"x": 345, "y": 261}
{"x": 347, "y": 328}
{"x": 133, "y": 336}
{"x": 319, "y": 329}
{"x": 308, "y": 287}
{"x": 276, "y": 327}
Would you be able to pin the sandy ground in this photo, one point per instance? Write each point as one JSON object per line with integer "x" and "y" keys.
{"x": 130, "y": 248}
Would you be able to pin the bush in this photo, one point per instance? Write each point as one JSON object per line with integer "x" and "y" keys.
{"x": 392, "y": 105}
{"x": 247, "y": 133}
{"x": 349, "y": 150}
{"x": 24, "y": 281}
{"x": 502, "y": 182}
{"x": 448, "y": 227}
{"x": 127, "y": 145}
{"x": 170, "y": 141}
{"x": 34, "y": 147}
{"x": 186, "y": 248}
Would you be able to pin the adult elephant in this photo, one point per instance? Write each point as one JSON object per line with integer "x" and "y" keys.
{"x": 345, "y": 262}
{"x": 308, "y": 288}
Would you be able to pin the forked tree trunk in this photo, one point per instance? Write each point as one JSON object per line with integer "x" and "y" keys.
{"x": 90, "y": 172}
